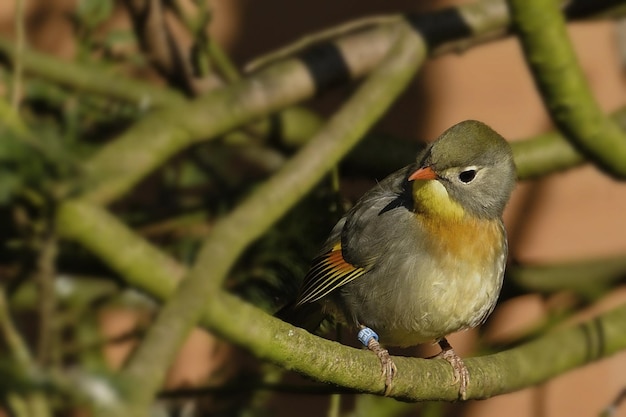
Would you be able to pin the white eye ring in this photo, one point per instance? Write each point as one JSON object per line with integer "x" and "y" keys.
{"x": 468, "y": 174}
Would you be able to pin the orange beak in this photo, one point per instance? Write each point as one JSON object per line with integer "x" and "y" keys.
{"x": 424, "y": 173}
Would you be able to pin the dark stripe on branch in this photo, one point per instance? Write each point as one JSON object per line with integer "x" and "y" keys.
{"x": 576, "y": 9}
{"x": 326, "y": 66}
{"x": 441, "y": 26}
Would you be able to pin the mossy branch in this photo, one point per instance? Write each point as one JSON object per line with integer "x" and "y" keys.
{"x": 331, "y": 362}
{"x": 564, "y": 89}
{"x": 572, "y": 276}
{"x": 418, "y": 379}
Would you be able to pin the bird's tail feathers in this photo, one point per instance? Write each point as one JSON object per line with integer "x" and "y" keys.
{"x": 308, "y": 316}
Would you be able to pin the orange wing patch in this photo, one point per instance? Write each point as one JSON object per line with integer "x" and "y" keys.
{"x": 328, "y": 272}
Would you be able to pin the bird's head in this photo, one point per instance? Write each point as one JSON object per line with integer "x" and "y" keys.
{"x": 468, "y": 169}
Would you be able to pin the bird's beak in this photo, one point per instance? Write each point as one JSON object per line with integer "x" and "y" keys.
{"x": 424, "y": 173}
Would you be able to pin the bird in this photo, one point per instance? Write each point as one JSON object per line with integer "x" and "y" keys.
{"x": 422, "y": 254}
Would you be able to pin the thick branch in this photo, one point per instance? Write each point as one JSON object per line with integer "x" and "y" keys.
{"x": 564, "y": 89}
{"x": 326, "y": 361}
{"x": 572, "y": 276}
{"x": 417, "y": 379}
{"x": 142, "y": 264}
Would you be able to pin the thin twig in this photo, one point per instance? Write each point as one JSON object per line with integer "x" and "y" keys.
{"x": 318, "y": 37}
{"x": 20, "y": 42}
{"x": 159, "y": 44}
{"x": 334, "y": 405}
{"x": 18, "y": 348}
{"x": 32, "y": 404}
{"x": 47, "y": 299}
{"x": 124, "y": 337}
{"x": 611, "y": 409}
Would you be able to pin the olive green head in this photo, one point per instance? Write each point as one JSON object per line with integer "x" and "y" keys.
{"x": 475, "y": 165}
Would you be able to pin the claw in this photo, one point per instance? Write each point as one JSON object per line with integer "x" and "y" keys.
{"x": 389, "y": 369}
{"x": 461, "y": 374}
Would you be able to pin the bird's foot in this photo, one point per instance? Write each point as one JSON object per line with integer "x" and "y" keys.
{"x": 461, "y": 374}
{"x": 388, "y": 369}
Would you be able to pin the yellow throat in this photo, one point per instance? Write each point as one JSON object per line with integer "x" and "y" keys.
{"x": 432, "y": 199}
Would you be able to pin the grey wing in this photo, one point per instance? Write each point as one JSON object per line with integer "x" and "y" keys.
{"x": 369, "y": 225}
{"x": 347, "y": 254}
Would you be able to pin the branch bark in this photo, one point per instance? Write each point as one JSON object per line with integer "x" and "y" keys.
{"x": 564, "y": 89}
{"x": 295, "y": 349}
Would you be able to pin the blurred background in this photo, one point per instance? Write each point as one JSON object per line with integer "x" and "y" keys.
{"x": 573, "y": 216}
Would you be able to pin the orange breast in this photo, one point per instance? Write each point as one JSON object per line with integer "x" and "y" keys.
{"x": 465, "y": 238}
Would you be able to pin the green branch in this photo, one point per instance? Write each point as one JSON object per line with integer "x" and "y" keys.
{"x": 20, "y": 42}
{"x": 331, "y": 362}
{"x": 154, "y": 139}
{"x": 91, "y": 79}
{"x": 563, "y": 86}
{"x": 571, "y": 276}
{"x": 535, "y": 157}
{"x": 121, "y": 248}
{"x": 543, "y": 155}
{"x": 33, "y": 404}
{"x": 417, "y": 379}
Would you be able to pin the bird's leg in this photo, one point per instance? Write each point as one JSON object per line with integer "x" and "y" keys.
{"x": 369, "y": 338}
{"x": 461, "y": 374}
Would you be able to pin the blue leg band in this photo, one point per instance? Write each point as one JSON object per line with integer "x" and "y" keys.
{"x": 366, "y": 334}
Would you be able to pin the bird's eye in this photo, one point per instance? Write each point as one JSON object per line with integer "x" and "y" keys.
{"x": 467, "y": 176}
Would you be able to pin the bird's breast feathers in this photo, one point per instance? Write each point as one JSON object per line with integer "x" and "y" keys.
{"x": 453, "y": 282}
{"x": 413, "y": 276}
{"x": 443, "y": 276}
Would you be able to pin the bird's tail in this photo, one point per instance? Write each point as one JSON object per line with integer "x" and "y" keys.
{"x": 308, "y": 316}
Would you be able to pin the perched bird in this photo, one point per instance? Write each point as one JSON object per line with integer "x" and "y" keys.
{"x": 422, "y": 254}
